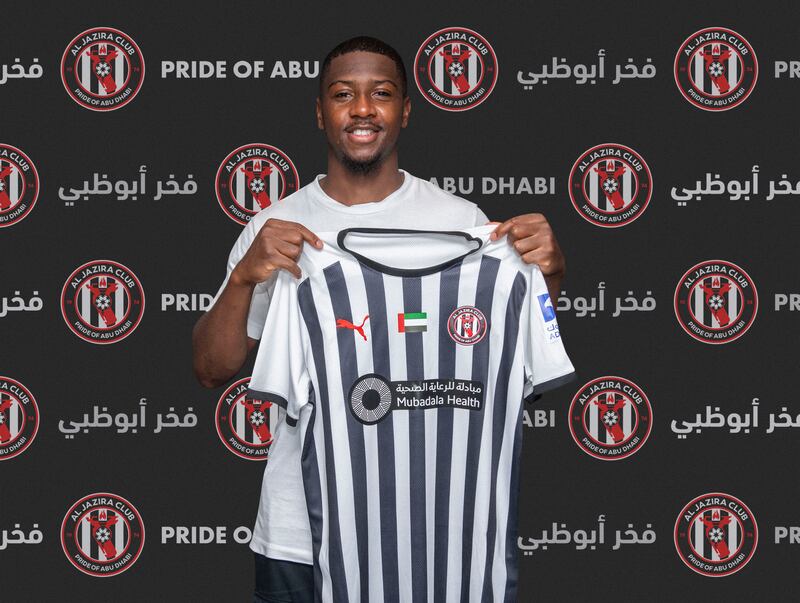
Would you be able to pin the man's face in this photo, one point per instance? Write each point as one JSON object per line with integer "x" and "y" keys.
{"x": 361, "y": 108}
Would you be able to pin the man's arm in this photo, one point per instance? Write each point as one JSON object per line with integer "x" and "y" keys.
{"x": 220, "y": 344}
{"x": 532, "y": 237}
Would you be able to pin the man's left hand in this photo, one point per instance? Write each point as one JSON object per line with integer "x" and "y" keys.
{"x": 532, "y": 237}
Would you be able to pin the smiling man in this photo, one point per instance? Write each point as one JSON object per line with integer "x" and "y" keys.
{"x": 363, "y": 105}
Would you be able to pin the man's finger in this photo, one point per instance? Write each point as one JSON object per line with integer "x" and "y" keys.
{"x": 309, "y": 236}
{"x": 290, "y": 250}
{"x": 527, "y": 244}
{"x": 502, "y": 229}
{"x": 285, "y": 263}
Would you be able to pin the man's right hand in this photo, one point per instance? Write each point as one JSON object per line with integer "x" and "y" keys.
{"x": 220, "y": 341}
{"x": 277, "y": 245}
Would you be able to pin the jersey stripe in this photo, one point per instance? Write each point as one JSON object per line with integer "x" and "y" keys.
{"x": 412, "y": 302}
{"x": 511, "y": 329}
{"x": 331, "y": 536}
{"x": 379, "y": 332}
{"x": 487, "y": 278}
{"x": 340, "y": 301}
{"x": 448, "y": 299}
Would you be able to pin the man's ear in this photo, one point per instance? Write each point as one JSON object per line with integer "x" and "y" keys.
{"x": 320, "y": 119}
{"x": 406, "y": 111}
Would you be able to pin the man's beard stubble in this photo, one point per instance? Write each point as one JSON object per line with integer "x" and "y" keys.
{"x": 361, "y": 168}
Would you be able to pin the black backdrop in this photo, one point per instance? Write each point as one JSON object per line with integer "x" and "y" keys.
{"x": 186, "y": 477}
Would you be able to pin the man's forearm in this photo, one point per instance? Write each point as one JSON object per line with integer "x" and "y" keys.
{"x": 219, "y": 339}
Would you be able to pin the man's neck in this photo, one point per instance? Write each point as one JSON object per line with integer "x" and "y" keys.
{"x": 348, "y": 188}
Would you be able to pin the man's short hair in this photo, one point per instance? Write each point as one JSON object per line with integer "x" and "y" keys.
{"x": 365, "y": 44}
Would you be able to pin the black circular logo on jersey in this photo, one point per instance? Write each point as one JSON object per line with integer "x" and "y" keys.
{"x": 467, "y": 325}
{"x": 610, "y": 185}
{"x": 716, "y": 535}
{"x": 716, "y": 69}
{"x": 102, "y": 534}
{"x": 253, "y": 177}
{"x": 102, "y": 69}
{"x": 370, "y": 398}
{"x": 716, "y": 302}
{"x": 19, "y": 418}
{"x": 102, "y": 302}
{"x": 455, "y": 69}
{"x": 19, "y": 185}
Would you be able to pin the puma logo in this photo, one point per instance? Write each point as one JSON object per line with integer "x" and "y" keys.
{"x": 341, "y": 322}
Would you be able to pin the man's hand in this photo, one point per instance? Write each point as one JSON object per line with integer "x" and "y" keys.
{"x": 277, "y": 245}
{"x": 220, "y": 341}
{"x": 532, "y": 237}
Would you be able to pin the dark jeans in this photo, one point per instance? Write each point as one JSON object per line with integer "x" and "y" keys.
{"x": 283, "y": 581}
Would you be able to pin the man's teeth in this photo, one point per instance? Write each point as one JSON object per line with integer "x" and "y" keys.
{"x": 362, "y": 132}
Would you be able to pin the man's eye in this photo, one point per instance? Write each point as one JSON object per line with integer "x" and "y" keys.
{"x": 383, "y": 92}
{"x": 341, "y": 94}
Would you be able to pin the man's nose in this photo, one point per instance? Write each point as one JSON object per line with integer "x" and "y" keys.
{"x": 363, "y": 105}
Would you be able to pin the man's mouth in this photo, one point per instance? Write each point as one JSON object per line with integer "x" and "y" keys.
{"x": 362, "y": 134}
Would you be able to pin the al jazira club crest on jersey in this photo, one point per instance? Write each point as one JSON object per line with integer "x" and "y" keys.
{"x": 19, "y": 418}
{"x": 252, "y": 177}
{"x": 716, "y": 302}
{"x": 716, "y": 534}
{"x": 244, "y": 425}
{"x": 19, "y": 185}
{"x": 102, "y": 69}
{"x": 716, "y": 69}
{"x": 467, "y": 325}
{"x": 102, "y": 302}
{"x": 102, "y": 534}
{"x": 610, "y": 185}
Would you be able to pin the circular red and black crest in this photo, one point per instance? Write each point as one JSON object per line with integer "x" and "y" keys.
{"x": 455, "y": 69}
{"x": 716, "y": 69}
{"x": 610, "y": 418}
{"x": 102, "y": 534}
{"x": 467, "y": 325}
{"x": 245, "y": 425}
{"x": 716, "y": 302}
{"x": 19, "y": 185}
{"x": 610, "y": 185}
{"x": 716, "y": 534}
{"x": 102, "y": 302}
{"x": 253, "y": 177}
{"x": 19, "y": 418}
{"x": 102, "y": 69}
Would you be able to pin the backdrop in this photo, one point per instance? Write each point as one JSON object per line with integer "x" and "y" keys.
{"x": 660, "y": 143}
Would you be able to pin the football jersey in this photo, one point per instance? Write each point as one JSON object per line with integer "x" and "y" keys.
{"x": 414, "y": 350}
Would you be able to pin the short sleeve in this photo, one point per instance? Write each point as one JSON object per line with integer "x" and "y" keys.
{"x": 547, "y": 365}
{"x": 259, "y": 303}
{"x": 480, "y": 217}
{"x": 280, "y": 374}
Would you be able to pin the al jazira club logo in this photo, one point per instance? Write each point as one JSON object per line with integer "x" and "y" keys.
{"x": 610, "y": 418}
{"x": 716, "y": 69}
{"x": 245, "y": 426}
{"x": 716, "y": 302}
{"x": 19, "y": 185}
{"x": 102, "y": 534}
{"x": 102, "y": 69}
{"x": 716, "y": 534}
{"x": 253, "y": 177}
{"x": 102, "y": 302}
{"x": 455, "y": 69}
{"x": 19, "y": 418}
{"x": 610, "y": 185}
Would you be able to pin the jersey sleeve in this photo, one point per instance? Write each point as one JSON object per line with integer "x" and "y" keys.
{"x": 547, "y": 365}
{"x": 259, "y": 303}
{"x": 480, "y": 217}
{"x": 281, "y": 374}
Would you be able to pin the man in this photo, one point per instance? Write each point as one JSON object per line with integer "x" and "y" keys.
{"x": 362, "y": 106}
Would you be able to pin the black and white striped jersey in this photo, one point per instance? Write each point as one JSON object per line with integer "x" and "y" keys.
{"x": 417, "y": 348}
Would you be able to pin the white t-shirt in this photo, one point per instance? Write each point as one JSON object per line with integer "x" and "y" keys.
{"x": 282, "y": 529}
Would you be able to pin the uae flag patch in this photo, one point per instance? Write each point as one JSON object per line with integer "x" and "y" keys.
{"x": 412, "y": 322}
